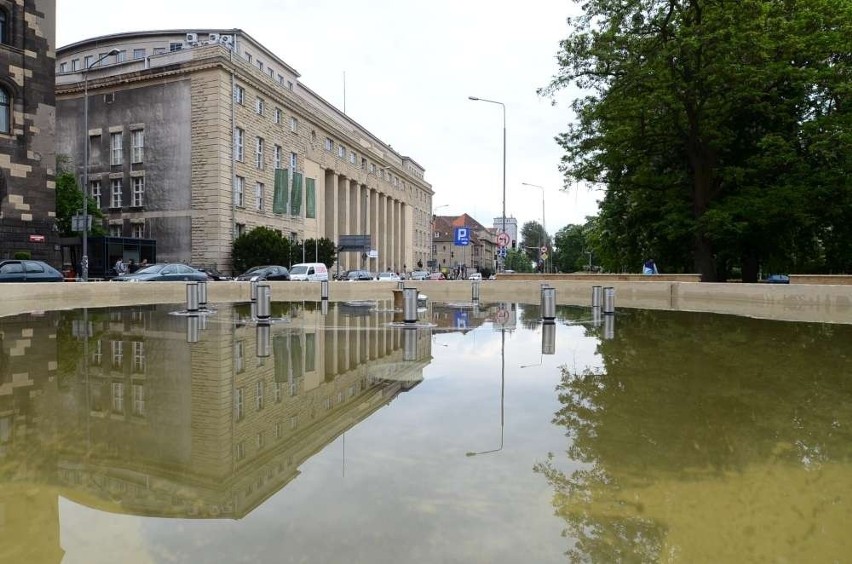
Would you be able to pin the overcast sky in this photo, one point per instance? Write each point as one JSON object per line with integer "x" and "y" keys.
{"x": 409, "y": 67}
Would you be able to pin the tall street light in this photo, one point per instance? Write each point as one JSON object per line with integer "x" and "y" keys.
{"x": 85, "y": 261}
{"x": 502, "y": 395}
{"x": 543, "y": 223}
{"x": 475, "y": 99}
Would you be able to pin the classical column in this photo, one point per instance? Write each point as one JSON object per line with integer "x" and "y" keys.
{"x": 374, "y": 228}
{"x": 342, "y": 216}
{"x": 393, "y": 239}
{"x": 355, "y": 223}
{"x": 404, "y": 239}
{"x": 331, "y": 207}
{"x": 381, "y": 233}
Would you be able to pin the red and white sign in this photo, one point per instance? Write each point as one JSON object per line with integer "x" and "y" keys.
{"x": 544, "y": 249}
{"x": 36, "y": 238}
{"x": 502, "y": 316}
{"x": 503, "y": 239}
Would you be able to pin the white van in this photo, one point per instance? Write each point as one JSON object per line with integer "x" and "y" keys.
{"x": 310, "y": 271}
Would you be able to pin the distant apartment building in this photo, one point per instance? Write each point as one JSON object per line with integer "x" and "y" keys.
{"x": 478, "y": 255}
{"x": 27, "y": 159}
{"x": 196, "y": 137}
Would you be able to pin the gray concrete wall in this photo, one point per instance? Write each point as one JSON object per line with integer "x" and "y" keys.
{"x": 815, "y": 303}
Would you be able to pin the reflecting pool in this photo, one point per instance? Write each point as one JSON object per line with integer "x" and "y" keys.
{"x": 330, "y": 435}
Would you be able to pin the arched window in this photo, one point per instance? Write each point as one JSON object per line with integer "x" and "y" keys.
{"x": 5, "y": 111}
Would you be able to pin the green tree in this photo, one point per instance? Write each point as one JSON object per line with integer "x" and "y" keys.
{"x": 533, "y": 236}
{"x": 721, "y": 131}
{"x": 518, "y": 261}
{"x": 69, "y": 201}
{"x": 260, "y": 246}
{"x": 570, "y": 254}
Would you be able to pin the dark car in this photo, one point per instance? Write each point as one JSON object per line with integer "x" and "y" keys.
{"x": 266, "y": 272}
{"x": 166, "y": 272}
{"x": 212, "y": 273}
{"x": 28, "y": 271}
{"x": 356, "y": 275}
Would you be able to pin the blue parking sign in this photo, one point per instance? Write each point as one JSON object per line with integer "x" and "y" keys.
{"x": 462, "y": 236}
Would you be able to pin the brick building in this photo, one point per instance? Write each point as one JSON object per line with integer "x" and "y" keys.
{"x": 27, "y": 110}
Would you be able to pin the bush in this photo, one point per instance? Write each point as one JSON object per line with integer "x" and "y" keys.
{"x": 23, "y": 255}
{"x": 259, "y": 246}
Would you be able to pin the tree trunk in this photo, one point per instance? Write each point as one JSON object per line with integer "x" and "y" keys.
{"x": 750, "y": 266}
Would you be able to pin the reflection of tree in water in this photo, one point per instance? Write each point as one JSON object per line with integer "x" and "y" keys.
{"x": 690, "y": 398}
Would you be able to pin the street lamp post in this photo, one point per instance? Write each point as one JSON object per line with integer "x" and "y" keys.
{"x": 475, "y": 99}
{"x": 543, "y": 222}
{"x": 84, "y": 263}
{"x": 502, "y": 395}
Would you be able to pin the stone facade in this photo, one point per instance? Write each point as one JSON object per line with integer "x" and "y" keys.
{"x": 233, "y": 141}
{"x": 27, "y": 103}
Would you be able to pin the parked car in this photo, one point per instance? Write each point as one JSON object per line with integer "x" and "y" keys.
{"x": 28, "y": 271}
{"x": 212, "y": 273}
{"x": 265, "y": 272}
{"x": 475, "y": 276}
{"x": 355, "y": 275}
{"x": 419, "y": 275}
{"x": 777, "y": 279}
{"x": 310, "y": 271}
{"x": 389, "y": 277}
{"x": 166, "y": 272}
{"x": 437, "y": 276}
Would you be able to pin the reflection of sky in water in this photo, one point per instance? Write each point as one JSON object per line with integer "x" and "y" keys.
{"x": 686, "y": 431}
{"x": 398, "y": 486}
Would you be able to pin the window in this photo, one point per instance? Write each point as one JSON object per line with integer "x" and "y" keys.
{"x": 294, "y": 124}
{"x": 138, "y": 356}
{"x": 239, "y": 354}
{"x": 121, "y": 56}
{"x": 4, "y": 27}
{"x": 238, "y": 403}
{"x": 117, "y": 353}
{"x": 239, "y": 186}
{"x": 329, "y": 144}
{"x": 372, "y": 168}
{"x": 258, "y": 106}
{"x": 117, "y": 158}
{"x": 95, "y": 192}
{"x": 341, "y": 151}
{"x": 294, "y": 160}
{"x": 239, "y": 95}
{"x": 259, "y": 64}
{"x": 258, "y": 195}
{"x": 5, "y": 111}
{"x": 239, "y": 137}
{"x": 138, "y": 191}
{"x": 159, "y": 50}
{"x": 87, "y": 61}
{"x": 138, "y": 54}
{"x": 139, "y": 400}
{"x": 290, "y": 84}
{"x": 277, "y": 156}
{"x": 258, "y": 395}
{"x": 240, "y": 450}
{"x": 249, "y": 57}
{"x": 278, "y": 114}
{"x": 115, "y": 193}
{"x": 258, "y": 153}
{"x": 363, "y": 163}
{"x": 239, "y": 230}
{"x": 352, "y": 157}
{"x": 138, "y": 231}
{"x": 115, "y": 230}
{"x": 277, "y": 392}
{"x": 272, "y": 73}
{"x": 137, "y": 145}
{"x": 175, "y": 47}
{"x": 118, "y": 397}
{"x": 75, "y": 64}
{"x": 63, "y": 67}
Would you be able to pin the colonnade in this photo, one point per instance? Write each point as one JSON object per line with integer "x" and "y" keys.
{"x": 353, "y": 208}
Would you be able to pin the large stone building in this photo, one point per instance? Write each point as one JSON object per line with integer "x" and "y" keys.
{"x": 198, "y": 136}
{"x": 27, "y": 110}
{"x": 457, "y": 260}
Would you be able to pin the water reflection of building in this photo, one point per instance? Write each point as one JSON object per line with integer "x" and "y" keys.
{"x": 147, "y": 423}
{"x": 465, "y": 317}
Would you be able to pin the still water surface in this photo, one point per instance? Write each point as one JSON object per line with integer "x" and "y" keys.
{"x": 135, "y": 435}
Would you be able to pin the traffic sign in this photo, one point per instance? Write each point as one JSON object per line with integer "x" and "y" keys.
{"x": 502, "y": 316}
{"x": 543, "y": 249}
{"x": 502, "y": 252}
{"x": 461, "y": 236}
{"x": 543, "y": 256}
{"x": 503, "y": 239}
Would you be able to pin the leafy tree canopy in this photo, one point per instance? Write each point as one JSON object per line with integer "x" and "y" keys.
{"x": 721, "y": 131}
